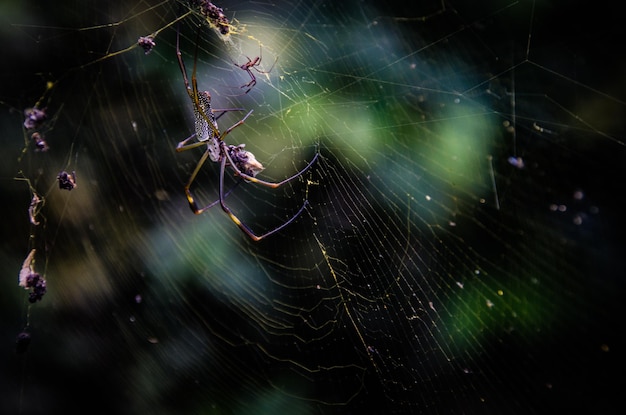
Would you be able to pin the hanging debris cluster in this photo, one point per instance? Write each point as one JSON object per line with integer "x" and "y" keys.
{"x": 33, "y": 120}
{"x": 38, "y": 285}
{"x": 40, "y": 143}
{"x": 147, "y": 43}
{"x": 67, "y": 181}
{"x": 215, "y": 15}
{"x": 31, "y": 280}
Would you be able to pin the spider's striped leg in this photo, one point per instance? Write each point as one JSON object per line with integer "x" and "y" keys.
{"x": 223, "y": 111}
{"x": 183, "y": 146}
{"x": 252, "y": 179}
{"x": 272, "y": 185}
{"x": 226, "y": 209}
{"x": 192, "y": 201}
{"x": 242, "y": 225}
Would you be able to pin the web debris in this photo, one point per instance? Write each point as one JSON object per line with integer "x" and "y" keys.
{"x": 215, "y": 16}
{"x": 147, "y": 43}
{"x": 29, "y": 279}
{"x": 35, "y": 206}
{"x": 34, "y": 118}
{"x": 66, "y": 180}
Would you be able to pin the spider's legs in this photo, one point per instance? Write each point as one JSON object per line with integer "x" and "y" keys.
{"x": 272, "y": 185}
{"x": 225, "y": 208}
{"x": 252, "y": 179}
{"x": 181, "y": 63}
{"x": 190, "y": 199}
{"x": 238, "y": 222}
{"x": 222, "y": 111}
{"x": 237, "y": 124}
{"x": 192, "y": 202}
{"x": 205, "y": 106}
{"x": 255, "y": 66}
{"x": 182, "y": 146}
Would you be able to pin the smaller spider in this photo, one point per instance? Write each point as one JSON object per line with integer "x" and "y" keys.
{"x": 253, "y": 64}
{"x": 67, "y": 181}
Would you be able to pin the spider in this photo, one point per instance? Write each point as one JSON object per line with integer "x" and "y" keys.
{"x": 244, "y": 163}
{"x": 253, "y": 64}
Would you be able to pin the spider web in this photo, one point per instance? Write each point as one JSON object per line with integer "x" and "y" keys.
{"x": 461, "y": 247}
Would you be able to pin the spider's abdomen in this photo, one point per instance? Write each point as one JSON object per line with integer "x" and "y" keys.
{"x": 204, "y": 132}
